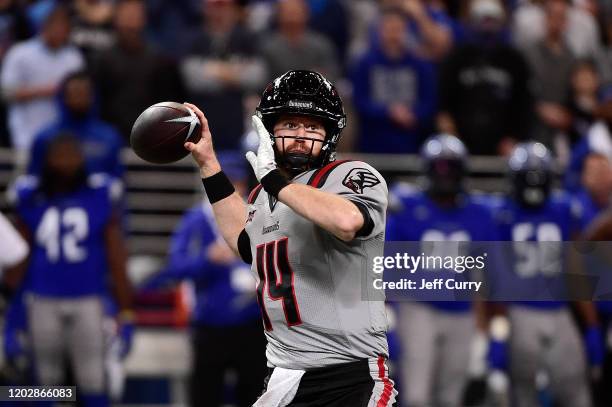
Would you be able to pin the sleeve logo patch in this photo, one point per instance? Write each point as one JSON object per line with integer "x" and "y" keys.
{"x": 251, "y": 216}
{"x": 358, "y": 179}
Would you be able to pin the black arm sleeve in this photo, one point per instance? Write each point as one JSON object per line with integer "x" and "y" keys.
{"x": 368, "y": 223}
{"x": 244, "y": 247}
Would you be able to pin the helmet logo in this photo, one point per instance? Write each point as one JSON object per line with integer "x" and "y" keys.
{"x": 342, "y": 123}
{"x": 300, "y": 104}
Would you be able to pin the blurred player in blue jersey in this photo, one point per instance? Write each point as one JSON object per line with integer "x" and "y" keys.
{"x": 77, "y": 246}
{"x": 78, "y": 107}
{"x": 227, "y": 332}
{"x": 437, "y": 335}
{"x": 543, "y": 336}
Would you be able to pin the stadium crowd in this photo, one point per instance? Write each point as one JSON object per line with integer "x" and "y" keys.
{"x": 494, "y": 73}
{"x": 490, "y": 71}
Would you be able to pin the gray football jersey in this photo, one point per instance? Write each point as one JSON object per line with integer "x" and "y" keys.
{"x": 314, "y": 289}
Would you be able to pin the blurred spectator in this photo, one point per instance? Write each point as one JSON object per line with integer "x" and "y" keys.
{"x": 92, "y": 26}
{"x": 604, "y": 57}
{"x": 598, "y": 139}
{"x": 13, "y": 28}
{"x": 582, "y": 34}
{"x": 31, "y": 72}
{"x": 362, "y": 14}
{"x": 596, "y": 187}
{"x": 170, "y": 23}
{"x": 131, "y": 76}
{"x": 604, "y": 6}
{"x": 259, "y": 14}
{"x": 394, "y": 92}
{"x": 221, "y": 68}
{"x": 431, "y": 31}
{"x": 330, "y": 18}
{"x": 79, "y": 116}
{"x": 551, "y": 64}
{"x": 226, "y": 311}
{"x": 585, "y": 85}
{"x": 295, "y": 46}
{"x": 13, "y": 25}
{"x": 484, "y": 95}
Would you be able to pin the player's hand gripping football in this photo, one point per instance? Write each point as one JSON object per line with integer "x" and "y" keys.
{"x": 263, "y": 162}
{"x": 203, "y": 151}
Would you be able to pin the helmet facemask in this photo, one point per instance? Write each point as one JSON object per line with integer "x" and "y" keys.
{"x": 296, "y": 162}
{"x": 445, "y": 177}
{"x": 531, "y": 174}
{"x": 532, "y": 187}
{"x": 445, "y": 166}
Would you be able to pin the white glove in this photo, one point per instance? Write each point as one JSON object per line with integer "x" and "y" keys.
{"x": 263, "y": 162}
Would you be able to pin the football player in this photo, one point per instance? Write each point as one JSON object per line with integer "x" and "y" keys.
{"x": 437, "y": 336}
{"x": 543, "y": 337}
{"x": 71, "y": 224}
{"x": 308, "y": 231}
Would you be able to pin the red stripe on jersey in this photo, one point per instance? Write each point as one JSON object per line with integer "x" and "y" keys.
{"x": 383, "y": 401}
{"x": 254, "y": 193}
{"x": 316, "y": 180}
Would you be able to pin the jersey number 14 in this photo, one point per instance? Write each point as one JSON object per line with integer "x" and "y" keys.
{"x": 275, "y": 274}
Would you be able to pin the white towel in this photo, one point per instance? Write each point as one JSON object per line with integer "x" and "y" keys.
{"x": 282, "y": 387}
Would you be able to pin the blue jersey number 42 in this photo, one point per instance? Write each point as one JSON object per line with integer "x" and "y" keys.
{"x": 61, "y": 232}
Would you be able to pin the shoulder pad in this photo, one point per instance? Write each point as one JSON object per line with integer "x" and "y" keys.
{"x": 560, "y": 196}
{"x": 318, "y": 178}
{"x": 102, "y": 180}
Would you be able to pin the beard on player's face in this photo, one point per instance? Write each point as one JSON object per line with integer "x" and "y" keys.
{"x": 295, "y": 155}
{"x": 291, "y": 145}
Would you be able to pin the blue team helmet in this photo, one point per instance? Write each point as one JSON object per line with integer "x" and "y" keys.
{"x": 531, "y": 173}
{"x": 444, "y": 146}
{"x": 444, "y": 157}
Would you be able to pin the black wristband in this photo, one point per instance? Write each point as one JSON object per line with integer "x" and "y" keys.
{"x": 273, "y": 182}
{"x": 217, "y": 187}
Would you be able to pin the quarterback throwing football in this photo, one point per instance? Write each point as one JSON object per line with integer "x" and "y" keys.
{"x": 308, "y": 231}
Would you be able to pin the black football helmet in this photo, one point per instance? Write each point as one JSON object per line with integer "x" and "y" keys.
{"x": 304, "y": 93}
{"x": 444, "y": 158}
{"x": 531, "y": 173}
